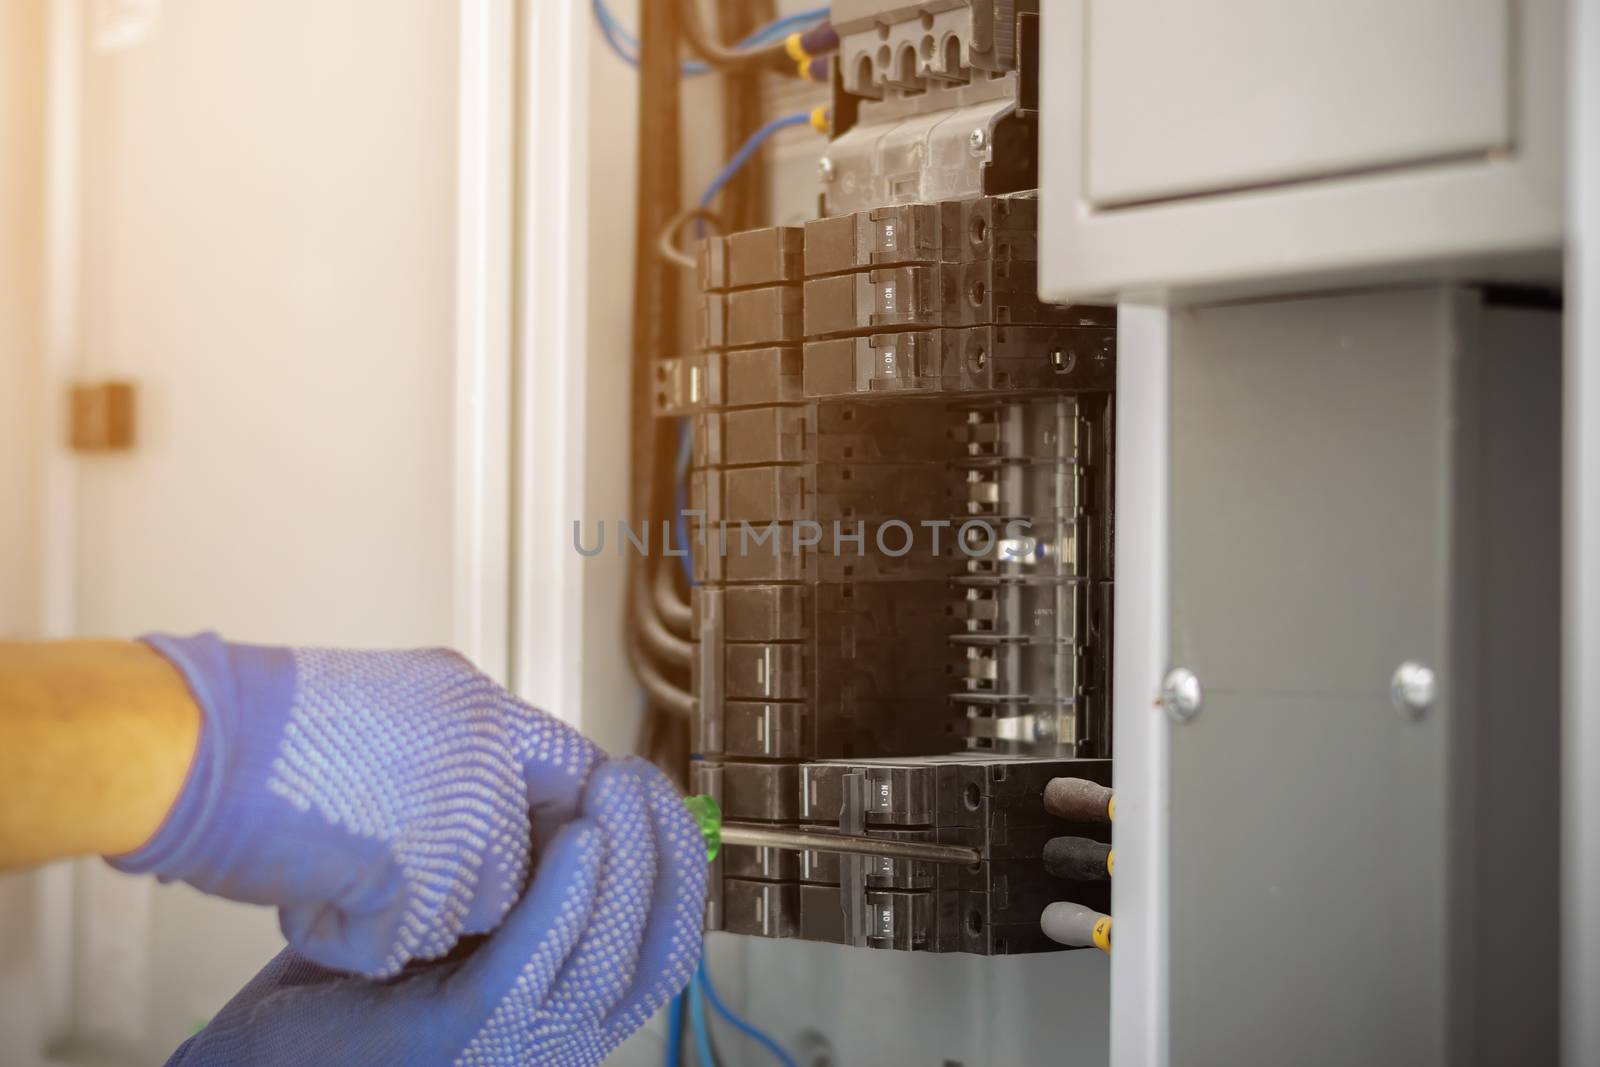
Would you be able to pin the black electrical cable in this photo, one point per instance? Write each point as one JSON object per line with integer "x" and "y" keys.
{"x": 646, "y": 618}
{"x": 658, "y": 619}
{"x": 655, "y": 335}
{"x": 657, "y": 687}
{"x": 1077, "y": 859}
{"x": 674, "y": 610}
{"x": 649, "y": 733}
{"x": 652, "y": 625}
{"x": 655, "y": 640}
{"x": 774, "y": 56}
{"x": 1079, "y": 800}
{"x": 744, "y": 198}
{"x": 658, "y": 639}
{"x": 655, "y": 289}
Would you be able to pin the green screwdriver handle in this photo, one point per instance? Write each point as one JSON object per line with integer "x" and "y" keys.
{"x": 708, "y": 814}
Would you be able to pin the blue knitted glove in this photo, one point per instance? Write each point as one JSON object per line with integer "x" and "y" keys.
{"x": 386, "y": 802}
{"x": 608, "y": 932}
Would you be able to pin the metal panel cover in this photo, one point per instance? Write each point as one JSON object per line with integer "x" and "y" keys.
{"x": 1309, "y": 509}
{"x": 1187, "y": 99}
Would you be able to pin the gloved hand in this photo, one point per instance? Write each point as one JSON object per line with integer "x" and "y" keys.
{"x": 608, "y": 932}
{"x": 385, "y": 802}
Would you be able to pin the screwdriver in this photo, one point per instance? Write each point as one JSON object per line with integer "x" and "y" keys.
{"x": 717, "y": 833}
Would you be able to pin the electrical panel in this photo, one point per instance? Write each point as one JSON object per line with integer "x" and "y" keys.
{"x": 900, "y": 512}
{"x": 899, "y": 463}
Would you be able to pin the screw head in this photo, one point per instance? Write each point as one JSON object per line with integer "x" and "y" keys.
{"x": 1180, "y": 694}
{"x": 1061, "y": 361}
{"x": 1413, "y": 689}
{"x": 825, "y": 170}
{"x": 978, "y": 139}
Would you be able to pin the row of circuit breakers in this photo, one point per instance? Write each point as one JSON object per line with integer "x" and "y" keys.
{"x": 901, "y": 496}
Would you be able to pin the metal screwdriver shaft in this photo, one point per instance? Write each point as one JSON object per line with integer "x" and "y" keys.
{"x": 718, "y": 833}
{"x": 846, "y": 844}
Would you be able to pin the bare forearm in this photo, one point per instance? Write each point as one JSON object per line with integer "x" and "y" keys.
{"x": 96, "y": 738}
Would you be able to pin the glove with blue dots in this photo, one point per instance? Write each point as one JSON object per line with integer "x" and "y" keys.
{"x": 387, "y": 803}
{"x": 608, "y": 932}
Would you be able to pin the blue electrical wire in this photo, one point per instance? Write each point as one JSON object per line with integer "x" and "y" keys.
{"x": 702, "y": 978}
{"x": 784, "y": 26}
{"x": 620, "y": 40}
{"x": 697, "y": 1022}
{"x": 746, "y": 150}
{"x": 771, "y": 31}
{"x": 626, "y": 45}
{"x": 675, "y": 1032}
{"x": 614, "y": 35}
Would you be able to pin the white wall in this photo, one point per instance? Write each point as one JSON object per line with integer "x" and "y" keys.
{"x": 21, "y": 323}
{"x": 611, "y": 169}
{"x": 21, "y": 339}
{"x": 268, "y": 252}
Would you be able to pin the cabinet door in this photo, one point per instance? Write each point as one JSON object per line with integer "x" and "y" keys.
{"x": 1186, "y": 99}
{"x": 1309, "y": 824}
{"x": 1356, "y": 482}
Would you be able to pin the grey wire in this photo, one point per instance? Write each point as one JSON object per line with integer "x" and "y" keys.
{"x": 668, "y": 247}
{"x": 719, "y": 55}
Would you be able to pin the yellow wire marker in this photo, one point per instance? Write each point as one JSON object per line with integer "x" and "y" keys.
{"x": 1102, "y": 933}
